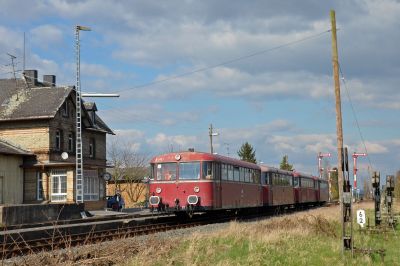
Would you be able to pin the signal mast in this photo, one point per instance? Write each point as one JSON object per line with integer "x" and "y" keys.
{"x": 355, "y": 157}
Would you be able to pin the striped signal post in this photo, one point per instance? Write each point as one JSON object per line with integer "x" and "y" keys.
{"x": 320, "y": 156}
{"x": 355, "y": 157}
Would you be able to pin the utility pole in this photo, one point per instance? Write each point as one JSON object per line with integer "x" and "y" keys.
{"x": 345, "y": 209}
{"x": 212, "y": 134}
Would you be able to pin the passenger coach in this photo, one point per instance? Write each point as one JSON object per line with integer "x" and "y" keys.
{"x": 196, "y": 181}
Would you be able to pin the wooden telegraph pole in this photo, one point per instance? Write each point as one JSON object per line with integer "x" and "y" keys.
{"x": 345, "y": 202}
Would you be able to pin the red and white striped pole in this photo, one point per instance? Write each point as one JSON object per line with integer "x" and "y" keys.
{"x": 320, "y": 156}
{"x": 355, "y": 156}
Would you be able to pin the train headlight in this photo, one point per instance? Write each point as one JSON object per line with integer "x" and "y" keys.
{"x": 196, "y": 189}
{"x": 158, "y": 190}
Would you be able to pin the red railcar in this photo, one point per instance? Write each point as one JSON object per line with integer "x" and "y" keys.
{"x": 277, "y": 187}
{"x": 306, "y": 188}
{"x": 323, "y": 191}
{"x": 196, "y": 181}
{"x": 187, "y": 181}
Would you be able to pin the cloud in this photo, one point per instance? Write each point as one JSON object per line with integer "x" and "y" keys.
{"x": 46, "y": 35}
{"x": 373, "y": 148}
{"x": 176, "y": 143}
{"x": 148, "y": 113}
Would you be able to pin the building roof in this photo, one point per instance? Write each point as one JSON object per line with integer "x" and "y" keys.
{"x": 8, "y": 148}
{"x": 19, "y": 102}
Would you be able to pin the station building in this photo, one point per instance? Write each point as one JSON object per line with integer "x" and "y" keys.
{"x": 37, "y": 119}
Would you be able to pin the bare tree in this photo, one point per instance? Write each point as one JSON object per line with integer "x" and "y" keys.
{"x": 129, "y": 169}
{"x": 397, "y": 186}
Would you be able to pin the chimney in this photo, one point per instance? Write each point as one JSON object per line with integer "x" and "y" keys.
{"x": 49, "y": 80}
{"x": 31, "y": 77}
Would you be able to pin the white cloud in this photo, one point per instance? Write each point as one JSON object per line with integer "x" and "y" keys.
{"x": 373, "y": 148}
{"x": 46, "y": 35}
{"x": 177, "y": 142}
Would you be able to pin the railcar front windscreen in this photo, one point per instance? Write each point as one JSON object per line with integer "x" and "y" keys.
{"x": 166, "y": 171}
{"x": 189, "y": 170}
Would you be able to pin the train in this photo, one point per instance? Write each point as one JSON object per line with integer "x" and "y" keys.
{"x": 189, "y": 182}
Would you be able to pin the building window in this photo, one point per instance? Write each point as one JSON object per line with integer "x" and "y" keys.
{"x": 58, "y": 139}
{"x": 39, "y": 182}
{"x": 92, "y": 148}
{"x": 90, "y": 185}
{"x": 64, "y": 109}
{"x": 59, "y": 185}
{"x": 71, "y": 142}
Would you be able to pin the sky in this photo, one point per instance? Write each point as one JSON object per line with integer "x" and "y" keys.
{"x": 258, "y": 71}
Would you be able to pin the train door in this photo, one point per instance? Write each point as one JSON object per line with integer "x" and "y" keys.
{"x": 217, "y": 185}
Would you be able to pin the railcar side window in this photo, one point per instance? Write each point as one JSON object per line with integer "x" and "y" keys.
{"x": 207, "y": 170}
{"x": 256, "y": 177}
{"x": 242, "y": 175}
{"x": 247, "y": 174}
{"x": 230, "y": 172}
{"x": 224, "y": 172}
{"x": 217, "y": 171}
{"x": 236, "y": 173}
{"x": 166, "y": 171}
{"x": 296, "y": 182}
{"x": 306, "y": 182}
{"x": 324, "y": 185}
{"x": 265, "y": 178}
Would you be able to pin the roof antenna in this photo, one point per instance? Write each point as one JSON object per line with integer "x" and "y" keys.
{"x": 13, "y": 66}
{"x": 23, "y": 67}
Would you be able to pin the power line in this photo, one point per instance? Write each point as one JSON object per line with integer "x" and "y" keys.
{"x": 227, "y": 62}
{"x": 355, "y": 117}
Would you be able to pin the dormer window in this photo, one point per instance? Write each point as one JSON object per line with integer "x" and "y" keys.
{"x": 64, "y": 109}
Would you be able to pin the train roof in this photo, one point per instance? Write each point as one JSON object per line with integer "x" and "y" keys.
{"x": 266, "y": 168}
{"x": 187, "y": 156}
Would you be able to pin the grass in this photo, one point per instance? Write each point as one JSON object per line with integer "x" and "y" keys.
{"x": 306, "y": 238}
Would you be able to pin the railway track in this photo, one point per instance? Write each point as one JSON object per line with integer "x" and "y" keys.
{"x": 17, "y": 246}
{"x": 20, "y": 247}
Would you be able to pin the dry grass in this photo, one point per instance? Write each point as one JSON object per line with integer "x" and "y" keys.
{"x": 304, "y": 238}
{"x": 249, "y": 243}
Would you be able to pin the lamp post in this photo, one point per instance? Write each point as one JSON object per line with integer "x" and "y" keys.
{"x": 78, "y": 142}
{"x": 320, "y": 156}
